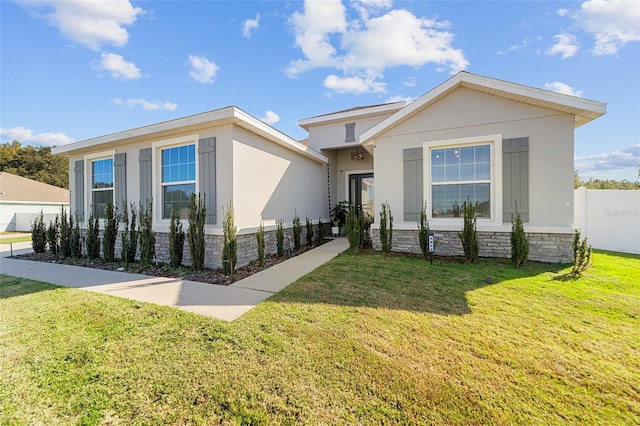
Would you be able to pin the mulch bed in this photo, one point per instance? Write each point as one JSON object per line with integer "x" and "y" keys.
{"x": 210, "y": 276}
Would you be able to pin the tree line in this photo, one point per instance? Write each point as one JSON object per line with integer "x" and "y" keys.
{"x": 35, "y": 163}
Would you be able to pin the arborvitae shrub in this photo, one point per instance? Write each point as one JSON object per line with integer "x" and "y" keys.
{"x": 260, "y": 242}
{"x": 147, "y": 236}
{"x": 519, "y": 241}
{"x": 353, "y": 230}
{"x": 423, "y": 232}
{"x": 280, "y": 237}
{"x": 581, "y": 254}
{"x": 66, "y": 223}
{"x": 75, "y": 239}
{"x": 469, "y": 235}
{"x": 230, "y": 249}
{"x": 39, "y": 234}
{"x": 297, "y": 231}
{"x": 129, "y": 236}
{"x": 195, "y": 233}
{"x": 320, "y": 232}
{"x": 386, "y": 234}
{"x": 93, "y": 238}
{"x": 53, "y": 234}
{"x": 176, "y": 240}
{"x": 110, "y": 233}
{"x": 309, "y": 235}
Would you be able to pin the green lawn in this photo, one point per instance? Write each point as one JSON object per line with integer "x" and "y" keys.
{"x": 6, "y": 238}
{"x": 363, "y": 339}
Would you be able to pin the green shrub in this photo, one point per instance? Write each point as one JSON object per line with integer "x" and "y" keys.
{"x": 260, "y": 241}
{"x": 129, "y": 237}
{"x": 66, "y": 224}
{"x": 39, "y": 234}
{"x": 469, "y": 235}
{"x": 423, "y": 232}
{"x": 280, "y": 237}
{"x": 309, "y": 234}
{"x": 176, "y": 240}
{"x": 75, "y": 239}
{"x": 93, "y": 238}
{"x": 320, "y": 232}
{"x": 110, "y": 233}
{"x": 297, "y": 231}
{"x": 53, "y": 234}
{"x": 195, "y": 233}
{"x": 581, "y": 254}
{"x": 353, "y": 230}
{"x": 519, "y": 241}
{"x": 386, "y": 234}
{"x": 146, "y": 235}
{"x": 230, "y": 249}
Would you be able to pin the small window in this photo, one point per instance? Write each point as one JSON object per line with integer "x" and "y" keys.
{"x": 178, "y": 179}
{"x": 350, "y": 129}
{"x": 458, "y": 174}
{"x": 101, "y": 186}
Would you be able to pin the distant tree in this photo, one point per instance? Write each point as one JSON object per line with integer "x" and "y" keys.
{"x": 605, "y": 183}
{"x": 35, "y": 163}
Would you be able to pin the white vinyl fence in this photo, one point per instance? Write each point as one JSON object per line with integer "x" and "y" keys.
{"x": 610, "y": 219}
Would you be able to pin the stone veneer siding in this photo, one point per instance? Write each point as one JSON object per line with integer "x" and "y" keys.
{"x": 543, "y": 247}
{"x": 247, "y": 246}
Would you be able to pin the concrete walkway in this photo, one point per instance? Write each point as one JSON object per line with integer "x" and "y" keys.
{"x": 222, "y": 302}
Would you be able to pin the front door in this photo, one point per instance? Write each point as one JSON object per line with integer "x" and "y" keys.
{"x": 361, "y": 193}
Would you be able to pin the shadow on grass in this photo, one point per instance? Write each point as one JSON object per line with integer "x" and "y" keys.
{"x": 402, "y": 282}
{"x": 13, "y": 286}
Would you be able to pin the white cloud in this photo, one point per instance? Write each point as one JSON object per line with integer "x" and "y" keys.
{"x": 410, "y": 82}
{"x": 91, "y": 23}
{"x": 400, "y": 98}
{"x": 515, "y": 47}
{"x": 250, "y": 25}
{"x": 355, "y": 85}
{"x": 563, "y": 88}
{"x": 619, "y": 159}
{"x": 566, "y": 46}
{"x": 612, "y": 23}
{"x": 26, "y": 136}
{"x": 270, "y": 117}
{"x": 364, "y": 46}
{"x": 146, "y": 105}
{"x": 117, "y": 67}
{"x": 202, "y": 70}
{"x": 562, "y": 12}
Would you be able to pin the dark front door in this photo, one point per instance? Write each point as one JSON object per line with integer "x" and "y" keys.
{"x": 361, "y": 193}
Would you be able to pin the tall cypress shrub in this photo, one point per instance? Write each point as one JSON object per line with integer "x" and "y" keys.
{"x": 39, "y": 234}
{"x": 147, "y": 236}
{"x": 93, "y": 238}
{"x": 66, "y": 224}
{"x": 519, "y": 242}
{"x": 280, "y": 237}
{"x": 53, "y": 234}
{"x": 386, "y": 234}
{"x": 195, "y": 233}
{"x": 110, "y": 233}
{"x": 297, "y": 231}
{"x": 230, "y": 249}
{"x": 129, "y": 237}
{"x": 469, "y": 235}
{"x": 352, "y": 226}
{"x": 309, "y": 228}
{"x": 320, "y": 232}
{"x": 176, "y": 240}
{"x": 260, "y": 242}
{"x": 423, "y": 232}
{"x": 75, "y": 239}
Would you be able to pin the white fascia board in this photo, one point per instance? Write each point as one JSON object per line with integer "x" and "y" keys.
{"x": 277, "y": 136}
{"x": 305, "y": 123}
{"x": 586, "y": 108}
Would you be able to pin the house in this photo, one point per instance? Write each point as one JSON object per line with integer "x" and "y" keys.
{"x": 226, "y": 155}
{"x": 22, "y": 200}
{"x": 498, "y": 143}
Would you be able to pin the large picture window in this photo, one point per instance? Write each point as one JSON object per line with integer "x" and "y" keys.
{"x": 457, "y": 174}
{"x": 101, "y": 186}
{"x": 178, "y": 179}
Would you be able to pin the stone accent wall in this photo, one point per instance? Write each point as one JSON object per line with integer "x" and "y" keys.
{"x": 247, "y": 246}
{"x": 543, "y": 247}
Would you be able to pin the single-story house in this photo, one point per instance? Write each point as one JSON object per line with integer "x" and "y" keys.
{"x": 22, "y": 200}
{"x": 497, "y": 143}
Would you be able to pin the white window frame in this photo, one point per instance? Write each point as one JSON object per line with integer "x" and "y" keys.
{"x": 88, "y": 179}
{"x": 156, "y": 181}
{"x": 495, "y": 181}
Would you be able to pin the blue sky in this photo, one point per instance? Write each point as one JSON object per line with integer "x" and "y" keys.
{"x": 73, "y": 70}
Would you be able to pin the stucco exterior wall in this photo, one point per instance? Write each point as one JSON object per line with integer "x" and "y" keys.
{"x": 332, "y": 135}
{"x": 467, "y": 113}
{"x": 345, "y": 166}
{"x": 16, "y": 216}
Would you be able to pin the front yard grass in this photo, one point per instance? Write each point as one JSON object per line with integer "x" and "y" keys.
{"x": 11, "y": 237}
{"x": 363, "y": 339}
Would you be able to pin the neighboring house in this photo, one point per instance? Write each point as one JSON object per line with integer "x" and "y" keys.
{"x": 225, "y": 155}
{"x": 496, "y": 142}
{"x": 22, "y": 200}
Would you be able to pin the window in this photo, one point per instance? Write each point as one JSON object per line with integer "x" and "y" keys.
{"x": 101, "y": 186}
{"x": 458, "y": 173}
{"x": 178, "y": 179}
{"x": 350, "y": 130}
